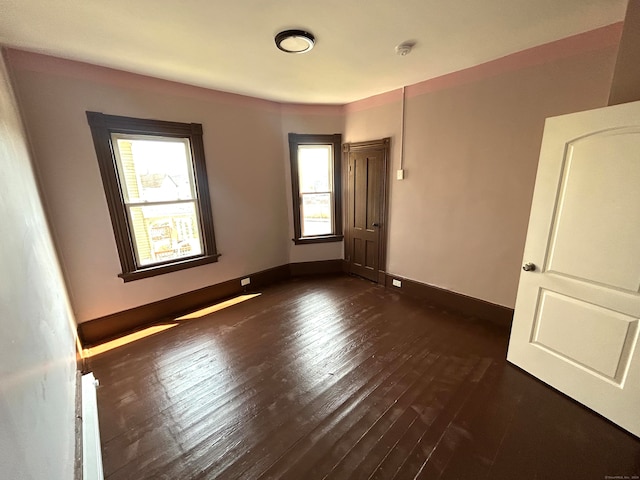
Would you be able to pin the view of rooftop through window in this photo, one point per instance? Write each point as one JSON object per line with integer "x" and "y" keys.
{"x": 156, "y": 175}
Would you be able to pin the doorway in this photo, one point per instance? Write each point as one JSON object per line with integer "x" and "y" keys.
{"x": 366, "y": 190}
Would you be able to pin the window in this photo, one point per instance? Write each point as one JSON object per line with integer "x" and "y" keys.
{"x": 315, "y": 178}
{"x": 155, "y": 181}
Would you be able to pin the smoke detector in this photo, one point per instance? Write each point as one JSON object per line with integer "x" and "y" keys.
{"x": 405, "y": 48}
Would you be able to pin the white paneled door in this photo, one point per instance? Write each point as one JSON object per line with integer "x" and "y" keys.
{"x": 576, "y": 321}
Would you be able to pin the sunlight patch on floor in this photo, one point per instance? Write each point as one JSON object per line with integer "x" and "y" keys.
{"x": 119, "y": 342}
{"x": 218, "y": 306}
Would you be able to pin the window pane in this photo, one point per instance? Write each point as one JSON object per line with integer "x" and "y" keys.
{"x": 314, "y": 168}
{"x": 165, "y": 232}
{"x": 155, "y": 169}
{"x": 316, "y": 214}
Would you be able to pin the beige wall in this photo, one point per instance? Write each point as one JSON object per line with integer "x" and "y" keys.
{"x": 244, "y": 151}
{"x": 37, "y": 350}
{"x": 625, "y": 86}
{"x": 458, "y": 221}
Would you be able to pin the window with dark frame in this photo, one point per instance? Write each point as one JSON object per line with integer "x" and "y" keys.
{"x": 155, "y": 181}
{"x": 315, "y": 180}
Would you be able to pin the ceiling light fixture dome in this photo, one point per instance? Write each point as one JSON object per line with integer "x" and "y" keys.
{"x": 295, "y": 41}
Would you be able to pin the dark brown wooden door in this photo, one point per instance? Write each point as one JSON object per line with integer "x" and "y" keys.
{"x": 365, "y": 235}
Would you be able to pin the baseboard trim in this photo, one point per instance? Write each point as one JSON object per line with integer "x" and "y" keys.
{"x": 99, "y": 330}
{"x": 457, "y": 302}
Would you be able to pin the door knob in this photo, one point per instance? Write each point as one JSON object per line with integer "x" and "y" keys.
{"x": 528, "y": 267}
{"x": 375, "y": 225}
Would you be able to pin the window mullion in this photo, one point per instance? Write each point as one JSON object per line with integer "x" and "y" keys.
{"x": 317, "y": 193}
{"x": 161, "y": 202}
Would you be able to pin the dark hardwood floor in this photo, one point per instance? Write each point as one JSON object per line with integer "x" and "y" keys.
{"x": 335, "y": 377}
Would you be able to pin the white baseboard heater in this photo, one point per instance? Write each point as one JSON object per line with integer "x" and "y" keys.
{"x": 91, "y": 450}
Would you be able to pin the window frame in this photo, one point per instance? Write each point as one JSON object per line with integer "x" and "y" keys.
{"x": 102, "y": 127}
{"x": 335, "y": 140}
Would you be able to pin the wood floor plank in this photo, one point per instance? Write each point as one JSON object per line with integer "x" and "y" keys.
{"x": 329, "y": 430}
{"x": 362, "y": 376}
{"x": 331, "y": 439}
{"x": 335, "y": 377}
{"x": 204, "y": 445}
{"x": 238, "y": 394}
{"x": 349, "y": 464}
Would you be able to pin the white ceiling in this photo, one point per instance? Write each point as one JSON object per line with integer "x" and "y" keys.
{"x": 228, "y": 45}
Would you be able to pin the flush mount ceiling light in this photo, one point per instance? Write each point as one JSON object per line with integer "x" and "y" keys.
{"x": 295, "y": 41}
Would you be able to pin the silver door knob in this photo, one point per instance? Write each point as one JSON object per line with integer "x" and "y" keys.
{"x": 375, "y": 225}
{"x": 529, "y": 267}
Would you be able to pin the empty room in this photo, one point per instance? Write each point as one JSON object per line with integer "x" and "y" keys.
{"x": 320, "y": 240}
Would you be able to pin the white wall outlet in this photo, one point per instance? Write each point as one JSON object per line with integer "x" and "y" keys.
{"x": 245, "y": 281}
{"x": 400, "y": 174}
{"x": 396, "y": 283}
